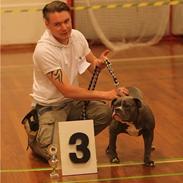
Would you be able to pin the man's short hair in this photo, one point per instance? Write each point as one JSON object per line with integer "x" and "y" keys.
{"x": 54, "y": 6}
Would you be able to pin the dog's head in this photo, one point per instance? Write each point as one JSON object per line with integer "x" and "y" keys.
{"x": 126, "y": 108}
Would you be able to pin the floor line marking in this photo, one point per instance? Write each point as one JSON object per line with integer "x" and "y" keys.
{"x": 126, "y": 178}
{"x": 146, "y": 58}
{"x": 113, "y": 60}
{"x": 17, "y": 66}
{"x": 129, "y": 163}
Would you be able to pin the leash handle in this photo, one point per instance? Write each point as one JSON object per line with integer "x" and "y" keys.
{"x": 109, "y": 67}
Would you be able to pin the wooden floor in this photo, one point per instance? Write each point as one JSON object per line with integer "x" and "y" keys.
{"x": 156, "y": 70}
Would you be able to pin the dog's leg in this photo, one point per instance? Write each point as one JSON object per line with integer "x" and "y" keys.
{"x": 148, "y": 139}
{"x": 111, "y": 149}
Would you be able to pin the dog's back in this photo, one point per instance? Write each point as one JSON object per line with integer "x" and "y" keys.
{"x": 135, "y": 93}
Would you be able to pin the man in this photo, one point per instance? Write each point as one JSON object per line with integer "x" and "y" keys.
{"x": 60, "y": 55}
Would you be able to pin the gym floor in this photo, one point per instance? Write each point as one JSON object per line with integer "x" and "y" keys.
{"x": 157, "y": 70}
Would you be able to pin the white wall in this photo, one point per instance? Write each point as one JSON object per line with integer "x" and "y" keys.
{"x": 18, "y": 27}
{"x": 177, "y": 20}
{"x": 21, "y": 27}
{"x": 26, "y": 27}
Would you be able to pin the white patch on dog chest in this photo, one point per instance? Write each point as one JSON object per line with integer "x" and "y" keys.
{"x": 132, "y": 130}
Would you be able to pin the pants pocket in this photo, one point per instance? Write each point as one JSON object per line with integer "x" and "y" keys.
{"x": 46, "y": 129}
{"x": 30, "y": 133}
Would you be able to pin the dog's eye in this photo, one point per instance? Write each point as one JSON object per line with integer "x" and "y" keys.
{"x": 127, "y": 106}
{"x": 117, "y": 105}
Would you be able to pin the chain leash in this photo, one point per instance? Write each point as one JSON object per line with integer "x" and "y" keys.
{"x": 93, "y": 82}
{"x": 91, "y": 86}
{"x": 109, "y": 68}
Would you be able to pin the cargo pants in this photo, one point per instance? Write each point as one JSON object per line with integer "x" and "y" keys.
{"x": 71, "y": 110}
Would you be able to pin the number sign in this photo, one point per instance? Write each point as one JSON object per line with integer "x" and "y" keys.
{"x": 77, "y": 147}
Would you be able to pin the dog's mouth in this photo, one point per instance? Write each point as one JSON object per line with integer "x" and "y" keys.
{"x": 116, "y": 117}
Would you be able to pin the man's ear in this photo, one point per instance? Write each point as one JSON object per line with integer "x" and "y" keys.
{"x": 46, "y": 22}
{"x": 138, "y": 102}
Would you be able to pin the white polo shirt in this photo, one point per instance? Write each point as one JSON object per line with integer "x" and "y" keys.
{"x": 50, "y": 55}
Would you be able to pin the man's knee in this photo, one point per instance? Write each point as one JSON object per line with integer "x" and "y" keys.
{"x": 102, "y": 120}
{"x": 40, "y": 151}
{"x": 105, "y": 115}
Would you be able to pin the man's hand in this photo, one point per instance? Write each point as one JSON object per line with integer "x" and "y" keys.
{"x": 115, "y": 93}
{"x": 100, "y": 61}
{"x": 122, "y": 91}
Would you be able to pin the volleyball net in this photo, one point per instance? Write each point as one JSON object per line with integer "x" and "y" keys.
{"x": 121, "y": 24}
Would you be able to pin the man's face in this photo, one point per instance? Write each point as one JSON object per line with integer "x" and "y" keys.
{"x": 59, "y": 23}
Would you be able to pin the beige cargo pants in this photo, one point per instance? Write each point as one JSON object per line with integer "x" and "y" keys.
{"x": 47, "y": 134}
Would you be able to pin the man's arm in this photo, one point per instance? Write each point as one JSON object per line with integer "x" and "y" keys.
{"x": 92, "y": 60}
{"x": 60, "y": 80}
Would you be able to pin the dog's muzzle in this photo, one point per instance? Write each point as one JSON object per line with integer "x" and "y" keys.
{"x": 116, "y": 113}
{"x": 116, "y": 117}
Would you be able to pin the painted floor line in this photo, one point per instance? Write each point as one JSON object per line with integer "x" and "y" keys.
{"x": 129, "y": 163}
{"x": 113, "y": 60}
{"x": 126, "y": 178}
{"x": 146, "y": 58}
{"x": 17, "y": 66}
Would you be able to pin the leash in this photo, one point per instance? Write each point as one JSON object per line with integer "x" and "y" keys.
{"x": 91, "y": 86}
{"x": 109, "y": 67}
{"x": 93, "y": 83}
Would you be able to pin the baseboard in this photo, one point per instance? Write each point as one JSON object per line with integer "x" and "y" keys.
{"x": 18, "y": 47}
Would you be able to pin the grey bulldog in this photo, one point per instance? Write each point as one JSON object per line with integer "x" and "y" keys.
{"x": 132, "y": 116}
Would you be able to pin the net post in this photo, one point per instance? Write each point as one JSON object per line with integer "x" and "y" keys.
{"x": 71, "y": 4}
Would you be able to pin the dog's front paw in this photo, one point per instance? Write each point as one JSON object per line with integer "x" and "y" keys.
{"x": 149, "y": 163}
{"x": 153, "y": 148}
{"x": 114, "y": 159}
{"x": 113, "y": 156}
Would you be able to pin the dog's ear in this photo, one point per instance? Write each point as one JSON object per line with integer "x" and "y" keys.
{"x": 113, "y": 102}
{"x": 138, "y": 102}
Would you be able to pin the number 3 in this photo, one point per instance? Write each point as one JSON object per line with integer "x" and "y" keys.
{"x": 81, "y": 147}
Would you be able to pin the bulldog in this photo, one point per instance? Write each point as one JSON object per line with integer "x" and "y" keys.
{"x": 132, "y": 116}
